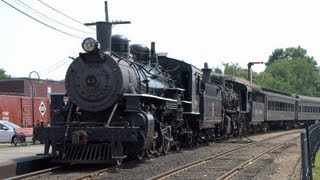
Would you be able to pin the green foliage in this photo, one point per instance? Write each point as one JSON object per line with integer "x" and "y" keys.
{"x": 291, "y": 53}
{"x": 3, "y": 74}
{"x": 316, "y": 170}
{"x": 217, "y": 70}
{"x": 236, "y": 70}
{"x": 291, "y": 70}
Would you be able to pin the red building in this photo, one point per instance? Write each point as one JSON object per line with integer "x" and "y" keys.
{"x": 19, "y": 105}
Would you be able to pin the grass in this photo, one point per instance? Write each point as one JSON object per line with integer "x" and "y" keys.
{"x": 316, "y": 169}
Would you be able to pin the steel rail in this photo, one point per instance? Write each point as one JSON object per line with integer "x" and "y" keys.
{"x": 36, "y": 173}
{"x": 202, "y": 161}
{"x": 92, "y": 174}
{"x": 236, "y": 170}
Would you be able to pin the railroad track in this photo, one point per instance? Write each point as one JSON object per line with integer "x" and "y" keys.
{"x": 226, "y": 174}
{"x": 70, "y": 171}
{"x": 37, "y": 174}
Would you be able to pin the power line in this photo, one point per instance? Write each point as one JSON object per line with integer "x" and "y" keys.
{"x": 54, "y": 66}
{"x": 64, "y": 14}
{"x": 56, "y": 29}
{"x": 45, "y": 16}
{"x": 57, "y": 65}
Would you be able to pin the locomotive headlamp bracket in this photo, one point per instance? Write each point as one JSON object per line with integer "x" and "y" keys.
{"x": 89, "y": 45}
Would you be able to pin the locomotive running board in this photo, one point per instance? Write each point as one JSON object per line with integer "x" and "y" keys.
{"x": 149, "y": 96}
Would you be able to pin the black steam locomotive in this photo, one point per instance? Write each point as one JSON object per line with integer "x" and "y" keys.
{"x": 126, "y": 100}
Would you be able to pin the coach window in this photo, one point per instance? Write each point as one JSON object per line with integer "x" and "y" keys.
{"x": 286, "y": 106}
{"x": 290, "y": 107}
{"x": 270, "y": 105}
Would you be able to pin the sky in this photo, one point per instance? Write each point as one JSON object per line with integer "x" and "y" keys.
{"x": 213, "y": 31}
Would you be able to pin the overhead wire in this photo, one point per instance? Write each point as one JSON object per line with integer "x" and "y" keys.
{"x": 41, "y": 22}
{"x": 36, "y": 12}
{"x": 64, "y": 14}
{"x": 57, "y": 65}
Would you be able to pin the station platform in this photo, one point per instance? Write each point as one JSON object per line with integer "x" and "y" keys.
{"x": 22, "y": 159}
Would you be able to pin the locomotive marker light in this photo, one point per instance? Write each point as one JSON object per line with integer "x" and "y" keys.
{"x": 89, "y": 45}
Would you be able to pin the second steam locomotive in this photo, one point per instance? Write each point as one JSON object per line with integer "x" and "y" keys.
{"x": 126, "y": 100}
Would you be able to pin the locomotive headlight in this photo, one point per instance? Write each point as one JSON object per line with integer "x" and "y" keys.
{"x": 89, "y": 45}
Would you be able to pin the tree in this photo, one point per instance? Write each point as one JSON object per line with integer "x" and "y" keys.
{"x": 291, "y": 53}
{"x": 236, "y": 70}
{"x": 217, "y": 70}
{"x": 3, "y": 74}
{"x": 292, "y": 70}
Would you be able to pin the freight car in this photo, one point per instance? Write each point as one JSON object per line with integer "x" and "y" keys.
{"x": 125, "y": 100}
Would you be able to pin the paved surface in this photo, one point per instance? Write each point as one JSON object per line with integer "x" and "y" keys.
{"x": 18, "y": 160}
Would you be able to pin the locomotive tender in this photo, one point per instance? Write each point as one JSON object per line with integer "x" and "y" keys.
{"x": 125, "y": 100}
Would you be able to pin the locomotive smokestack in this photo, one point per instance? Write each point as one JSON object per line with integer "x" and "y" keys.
{"x": 104, "y": 32}
{"x": 154, "y": 58}
{"x": 206, "y": 73}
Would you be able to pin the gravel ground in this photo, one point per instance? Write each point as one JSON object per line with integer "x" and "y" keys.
{"x": 274, "y": 167}
{"x": 287, "y": 161}
{"x": 283, "y": 163}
